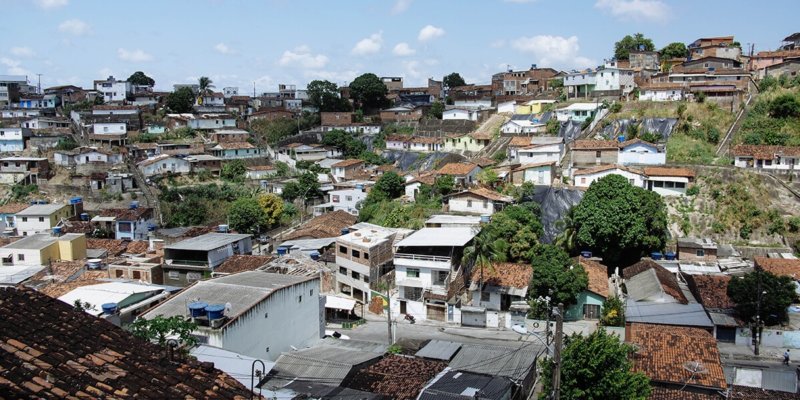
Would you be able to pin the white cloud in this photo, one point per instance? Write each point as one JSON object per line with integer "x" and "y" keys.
{"x": 22, "y": 52}
{"x": 650, "y": 10}
{"x": 106, "y": 71}
{"x": 430, "y": 32}
{"x": 553, "y": 50}
{"x": 401, "y": 6}
{"x": 340, "y": 77}
{"x": 14, "y": 67}
{"x": 412, "y": 69}
{"x": 369, "y": 45}
{"x": 498, "y": 44}
{"x": 137, "y": 55}
{"x": 301, "y": 57}
{"x": 74, "y": 27}
{"x": 402, "y": 49}
{"x": 223, "y": 48}
{"x": 51, "y": 4}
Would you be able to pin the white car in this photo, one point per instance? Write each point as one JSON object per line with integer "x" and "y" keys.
{"x": 335, "y": 334}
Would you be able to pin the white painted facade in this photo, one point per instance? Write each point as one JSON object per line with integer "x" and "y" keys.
{"x": 470, "y": 204}
{"x": 230, "y": 91}
{"x": 212, "y": 123}
{"x": 116, "y": 111}
{"x": 777, "y": 164}
{"x": 585, "y": 180}
{"x": 506, "y": 107}
{"x": 19, "y": 113}
{"x": 12, "y": 139}
{"x": 539, "y": 175}
{"x": 112, "y": 89}
{"x": 396, "y": 144}
{"x": 522, "y": 126}
{"x": 474, "y": 104}
{"x": 541, "y": 154}
{"x": 657, "y": 94}
{"x": 355, "y": 128}
{"x": 460, "y": 114}
{"x": 44, "y": 123}
{"x": 668, "y": 185}
{"x": 66, "y": 158}
{"x": 347, "y": 200}
{"x": 165, "y": 165}
{"x": 110, "y": 128}
{"x": 641, "y": 154}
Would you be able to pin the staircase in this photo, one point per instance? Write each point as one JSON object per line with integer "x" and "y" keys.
{"x": 496, "y": 145}
{"x": 149, "y": 194}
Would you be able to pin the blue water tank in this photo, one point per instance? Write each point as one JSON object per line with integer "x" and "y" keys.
{"x": 669, "y": 256}
{"x": 134, "y": 205}
{"x": 621, "y": 138}
{"x": 345, "y": 231}
{"x": 56, "y": 230}
{"x": 485, "y": 219}
{"x": 222, "y": 228}
{"x": 84, "y": 216}
{"x": 314, "y": 255}
{"x": 75, "y": 200}
{"x": 359, "y": 186}
{"x": 656, "y": 255}
{"x": 282, "y": 251}
{"x": 586, "y": 254}
{"x": 109, "y": 308}
{"x": 215, "y": 311}
{"x": 151, "y": 227}
{"x": 197, "y": 309}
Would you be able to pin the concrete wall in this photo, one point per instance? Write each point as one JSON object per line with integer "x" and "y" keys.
{"x": 589, "y": 157}
{"x": 471, "y": 205}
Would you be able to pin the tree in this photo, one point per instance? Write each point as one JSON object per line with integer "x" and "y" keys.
{"x": 444, "y": 184}
{"x": 673, "y": 50}
{"x": 596, "y": 367}
{"x": 246, "y": 215}
{"x": 554, "y": 270}
{"x": 160, "y": 328}
{"x": 785, "y": 106}
{"x": 306, "y": 186}
{"x": 767, "y": 83}
{"x": 206, "y": 85}
{"x": 233, "y": 171}
{"x": 180, "y": 101}
{"x": 567, "y": 239}
{"x": 488, "y": 177}
{"x": 325, "y": 96}
{"x": 368, "y": 91}
{"x": 637, "y": 42}
{"x": 139, "y": 78}
{"x": 350, "y": 146}
{"x": 483, "y": 253}
{"x": 281, "y": 168}
{"x": 780, "y": 294}
{"x": 389, "y": 186}
{"x": 619, "y": 221}
{"x": 520, "y": 227}
{"x": 436, "y": 111}
{"x": 612, "y": 312}
{"x": 453, "y": 80}
{"x": 272, "y": 206}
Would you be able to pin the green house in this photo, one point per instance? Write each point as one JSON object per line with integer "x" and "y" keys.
{"x": 590, "y": 301}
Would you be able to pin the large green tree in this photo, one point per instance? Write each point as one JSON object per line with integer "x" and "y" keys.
{"x": 368, "y": 91}
{"x": 206, "y": 85}
{"x": 436, "y": 111}
{"x": 325, "y": 96}
{"x": 180, "y": 101}
{"x": 483, "y": 253}
{"x": 627, "y": 44}
{"x": 452, "y": 80}
{"x": 233, "y": 171}
{"x": 554, "y": 270}
{"x": 389, "y": 186}
{"x": 306, "y": 186}
{"x": 674, "y": 50}
{"x": 350, "y": 146}
{"x": 619, "y": 221}
{"x": 519, "y": 226}
{"x": 247, "y": 215}
{"x": 780, "y": 293}
{"x": 139, "y": 78}
{"x": 596, "y": 367}
{"x": 160, "y": 329}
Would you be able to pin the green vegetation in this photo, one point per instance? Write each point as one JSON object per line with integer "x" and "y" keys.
{"x": 368, "y": 92}
{"x": 630, "y": 43}
{"x": 519, "y": 228}
{"x": 325, "y": 96}
{"x": 619, "y": 221}
{"x": 674, "y": 50}
{"x": 273, "y": 131}
{"x": 233, "y": 171}
{"x": 351, "y": 146}
{"x": 597, "y": 366}
{"x": 199, "y": 205}
{"x": 556, "y": 275}
{"x": 21, "y": 192}
{"x": 774, "y": 118}
{"x": 389, "y": 186}
{"x": 745, "y": 293}
{"x": 246, "y": 215}
{"x": 180, "y": 101}
{"x": 453, "y": 80}
{"x": 436, "y": 111}
{"x": 66, "y": 143}
{"x": 394, "y": 214}
{"x": 613, "y": 312}
{"x": 161, "y": 328}
{"x": 139, "y": 78}
{"x": 306, "y": 186}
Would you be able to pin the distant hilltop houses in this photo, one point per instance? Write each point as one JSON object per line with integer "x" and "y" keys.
{"x": 387, "y": 240}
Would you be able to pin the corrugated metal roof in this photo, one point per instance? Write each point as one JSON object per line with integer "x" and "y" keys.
{"x": 207, "y": 242}
{"x": 427, "y": 237}
{"x": 510, "y": 362}
{"x": 458, "y": 385}
{"x": 648, "y": 312}
{"x": 721, "y": 319}
{"x": 783, "y": 381}
{"x": 439, "y": 350}
{"x": 324, "y": 364}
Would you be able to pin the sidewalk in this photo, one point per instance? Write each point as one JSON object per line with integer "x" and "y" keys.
{"x": 733, "y": 352}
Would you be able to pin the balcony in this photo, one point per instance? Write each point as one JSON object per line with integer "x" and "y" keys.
{"x": 189, "y": 264}
{"x": 423, "y": 261}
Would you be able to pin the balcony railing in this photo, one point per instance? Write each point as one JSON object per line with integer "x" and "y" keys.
{"x": 422, "y": 257}
{"x": 195, "y": 263}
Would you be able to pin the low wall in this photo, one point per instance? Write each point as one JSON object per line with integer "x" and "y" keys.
{"x": 770, "y": 338}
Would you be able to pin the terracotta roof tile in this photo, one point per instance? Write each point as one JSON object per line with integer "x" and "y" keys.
{"x": 504, "y": 275}
{"x": 602, "y": 168}
{"x": 397, "y": 377}
{"x": 95, "y": 359}
{"x": 427, "y": 178}
{"x": 347, "y": 163}
{"x": 779, "y": 266}
{"x": 126, "y": 214}
{"x": 711, "y": 290}
{"x": 594, "y": 144}
{"x": 662, "y": 393}
{"x": 487, "y": 194}
{"x": 457, "y": 168}
{"x": 664, "y": 350}
{"x": 426, "y": 140}
{"x": 669, "y": 171}
{"x": 242, "y": 262}
{"x": 325, "y": 226}
{"x": 519, "y": 141}
{"x": 13, "y": 208}
{"x": 234, "y": 145}
{"x": 765, "y": 152}
{"x": 667, "y": 279}
{"x": 117, "y": 247}
{"x": 598, "y": 275}
{"x": 482, "y": 135}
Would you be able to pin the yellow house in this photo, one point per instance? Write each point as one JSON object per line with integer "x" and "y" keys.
{"x": 41, "y": 248}
{"x": 533, "y": 107}
{"x": 463, "y": 142}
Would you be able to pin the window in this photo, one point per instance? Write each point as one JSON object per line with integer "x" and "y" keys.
{"x": 598, "y": 154}
{"x": 311, "y": 292}
{"x": 486, "y": 204}
{"x": 20, "y": 257}
{"x": 701, "y": 253}
{"x": 355, "y": 275}
{"x": 356, "y": 254}
{"x": 680, "y": 185}
{"x": 118, "y": 273}
{"x": 41, "y": 219}
{"x": 658, "y": 184}
{"x": 583, "y": 180}
{"x": 348, "y": 198}
{"x": 193, "y": 276}
{"x": 485, "y": 297}
{"x": 335, "y": 198}
{"x": 469, "y": 203}
{"x": 342, "y": 249}
{"x": 24, "y": 219}
{"x": 366, "y": 256}
{"x": 343, "y": 270}
{"x": 631, "y": 181}
{"x": 300, "y": 298}
{"x": 412, "y": 272}
{"x": 174, "y": 274}
{"x": 137, "y": 274}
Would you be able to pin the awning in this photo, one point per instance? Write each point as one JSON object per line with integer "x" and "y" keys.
{"x": 339, "y": 303}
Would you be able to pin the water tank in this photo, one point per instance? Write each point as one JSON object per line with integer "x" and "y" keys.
{"x": 94, "y": 263}
{"x": 75, "y": 200}
{"x": 345, "y": 231}
{"x": 215, "y": 311}
{"x": 222, "y": 228}
{"x": 151, "y": 227}
{"x": 84, "y": 216}
{"x": 485, "y": 219}
{"x": 314, "y": 255}
{"x": 586, "y": 254}
{"x": 359, "y": 186}
{"x": 282, "y": 251}
{"x": 57, "y": 230}
{"x": 197, "y": 309}
{"x": 656, "y": 255}
{"x": 621, "y": 138}
{"x": 109, "y": 308}
{"x": 134, "y": 205}
{"x": 669, "y": 256}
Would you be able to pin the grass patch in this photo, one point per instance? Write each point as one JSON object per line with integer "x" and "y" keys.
{"x": 684, "y": 149}
{"x": 759, "y": 127}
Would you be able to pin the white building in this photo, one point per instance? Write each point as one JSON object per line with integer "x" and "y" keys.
{"x": 460, "y": 114}
{"x": 214, "y": 99}
{"x": 110, "y": 128}
{"x": 112, "y": 89}
{"x": 347, "y": 199}
{"x": 40, "y": 249}
{"x": 664, "y": 91}
{"x": 542, "y": 150}
{"x": 129, "y": 297}
{"x": 164, "y": 164}
{"x": 639, "y": 152}
{"x": 585, "y": 177}
{"x": 506, "y": 107}
{"x": 668, "y": 181}
{"x": 41, "y": 218}
{"x": 254, "y": 313}
{"x": 426, "y": 262}
{"x": 13, "y": 139}
{"x": 85, "y": 155}
{"x": 536, "y": 173}
{"x": 608, "y": 80}
{"x": 480, "y": 201}
{"x": 779, "y": 158}
{"x": 577, "y": 112}
{"x": 45, "y": 123}
{"x": 230, "y": 91}
{"x": 522, "y": 126}
{"x": 18, "y": 113}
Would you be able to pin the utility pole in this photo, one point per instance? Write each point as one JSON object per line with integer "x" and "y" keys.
{"x": 389, "y": 315}
{"x": 757, "y": 332}
{"x": 557, "y": 351}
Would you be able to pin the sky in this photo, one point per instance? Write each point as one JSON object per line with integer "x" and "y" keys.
{"x": 266, "y": 42}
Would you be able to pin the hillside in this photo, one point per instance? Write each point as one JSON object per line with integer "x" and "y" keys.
{"x": 774, "y": 117}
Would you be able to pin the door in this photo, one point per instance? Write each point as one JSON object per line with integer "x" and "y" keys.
{"x": 436, "y": 312}
{"x": 403, "y": 307}
{"x": 726, "y": 334}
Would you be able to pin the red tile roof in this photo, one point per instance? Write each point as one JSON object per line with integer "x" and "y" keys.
{"x": 669, "y": 171}
{"x": 325, "y": 226}
{"x": 126, "y": 214}
{"x": 457, "y": 168}
{"x": 347, "y": 163}
{"x": 13, "y": 208}
{"x": 711, "y": 290}
{"x": 780, "y": 266}
{"x": 485, "y": 193}
{"x": 397, "y": 377}
{"x": 235, "y": 145}
{"x": 765, "y": 152}
{"x": 598, "y": 275}
{"x": 662, "y": 393}
{"x": 504, "y": 275}
{"x": 603, "y": 168}
{"x": 519, "y": 141}
{"x": 51, "y": 350}
{"x": 664, "y": 351}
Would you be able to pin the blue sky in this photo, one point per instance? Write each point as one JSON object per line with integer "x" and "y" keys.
{"x": 269, "y": 42}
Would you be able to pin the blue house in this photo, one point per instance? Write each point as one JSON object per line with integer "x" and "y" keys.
{"x": 131, "y": 223}
{"x": 13, "y": 139}
{"x": 590, "y": 301}
{"x": 236, "y": 151}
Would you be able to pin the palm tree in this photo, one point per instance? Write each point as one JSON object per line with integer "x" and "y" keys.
{"x": 484, "y": 252}
{"x": 206, "y": 84}
{"x": 568, "y": 238}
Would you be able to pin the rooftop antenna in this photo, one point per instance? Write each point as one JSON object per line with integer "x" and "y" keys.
{"x": 695, "y": 367}
{"x": 39, "y": 89}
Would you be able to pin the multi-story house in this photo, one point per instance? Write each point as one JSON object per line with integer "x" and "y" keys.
{"x": 347, "y": 169}
{"x": 523, "y": 83}
{"x": 42, "y": 248}
{"x": 609, "y": 81}
{"x": 113, "y": 89}
{"x": 362, "y": 257}
{"x": 128, "y": 224}
{"x": 347, "y": 199}
{"x": 25, "y": 170}
{"x": 10, "y": 88}
{"x": 428, "y": 271}
{"x": 641, "y": 61}
{"x": 722, "y": 46}
{"x": 541, "y": 149}
{"x": 235, "y": 151}
{"x": 479, "y": 201}
{"x": 41, "y": 218}
{"x": 13, "y": 139}
{"x": 192, "y": 259}
{"x": 164, "y": 164}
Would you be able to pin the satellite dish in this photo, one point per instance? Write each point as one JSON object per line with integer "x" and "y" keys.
{"x": 695, "y": 367}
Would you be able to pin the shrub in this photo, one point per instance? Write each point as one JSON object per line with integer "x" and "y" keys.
{"x": 615, "y": 108}
{"x": 693, "y": 191}
{"x": 794, "y": 224}
{"x": 784, "y": 106}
